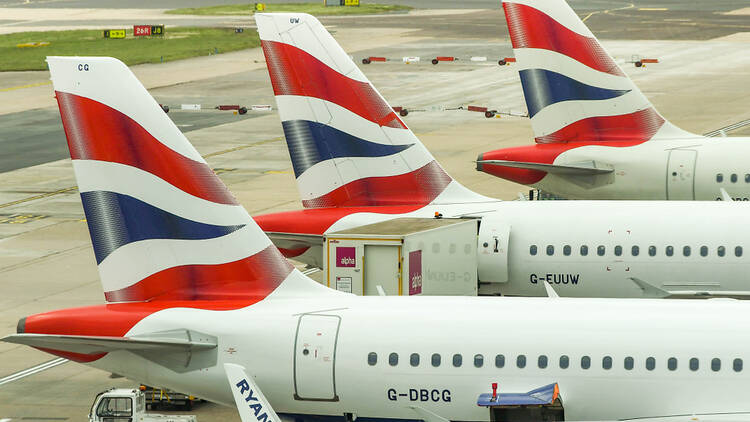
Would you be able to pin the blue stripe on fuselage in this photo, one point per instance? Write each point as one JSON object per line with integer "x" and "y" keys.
{"x": 115, "y": 220}
{"x": 543, "y": 87}
{"x": 311, "y": 142}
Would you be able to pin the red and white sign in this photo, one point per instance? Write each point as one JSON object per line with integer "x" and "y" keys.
{"x": 141, "y": 30}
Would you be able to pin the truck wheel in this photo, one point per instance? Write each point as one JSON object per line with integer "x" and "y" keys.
{"x": 365, "y": 61}
{"x": 489, "y": 114}
{"x": 434, "y": 61}
{"x": 638, "y": 63}
{"x": 403, "y": 112}
{"x": 502, "y": 62}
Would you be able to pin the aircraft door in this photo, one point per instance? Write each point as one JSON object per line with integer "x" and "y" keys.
{"x": 315, "y": 357}
{"x": 494, "y": 236}
{"x": 681, "y": 174}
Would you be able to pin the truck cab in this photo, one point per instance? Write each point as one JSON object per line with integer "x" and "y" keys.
{"x": 128, "y": 405}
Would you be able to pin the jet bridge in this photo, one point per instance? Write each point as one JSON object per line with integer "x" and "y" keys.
{"x": 541, "y": 404}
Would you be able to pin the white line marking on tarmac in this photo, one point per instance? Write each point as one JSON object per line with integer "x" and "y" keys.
{"x": 31, "y": 371}
{"x": 306, "y": 272}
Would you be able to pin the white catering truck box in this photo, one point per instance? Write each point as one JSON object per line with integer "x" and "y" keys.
{"x": 404, "y": 256}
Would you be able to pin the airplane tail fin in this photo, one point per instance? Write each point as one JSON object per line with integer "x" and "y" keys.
{"x": 574, "y": 90}
{"x": 348, "y": 147}
{"x": 162, "y": 224}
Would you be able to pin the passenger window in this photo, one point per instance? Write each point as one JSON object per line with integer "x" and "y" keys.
{"x": 721, "y": 251}
{"x": 585, "y": 362}
{"x": 672, "y": 364}
{"x": 693, "y": 363}
{"x": 715, "y": 364}
{"x": 584, "y": 250}
{"x": 458, "y": 360}
{"x": 566, "y": 250}
{"x": 629, "y": 363}
{"x": 738, "y": 251}
{"x": 669, "y": 251}
{"x": 650, "y": 364}
{"x": 435, "y": 359}
{"x": 719, "y": 178}
{"x": 393, "y": 359}
{"x": 521, "y": 361}
{"x": 618, "y": 250}
{"x": 372, "y": 358}
{"x": 733, "y": 178}
{"x": 607, "y": 362}
{"x": 478, "y": 361}
{"x": 635, "y": 250}
{"x": 652, "y": 251}
{"x": 414, "y": 359}
{"x": 550, "y": 250}
{"x": 542, "y": 361}
{"x": 737, "y": 365}
{"x": 686, "y": 250}
{"x": 532, "y": 250}
{"x": 564, "y": 362}
{"x": 499, "y": 361}
{"x": 704, "y": 250}
{"x": 747, "y": 177}
{"x": 600, "y": 250}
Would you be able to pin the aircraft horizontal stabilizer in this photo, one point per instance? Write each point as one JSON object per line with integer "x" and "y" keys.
{"x": 179, "y": 350}
{"x": 581, "y": 169}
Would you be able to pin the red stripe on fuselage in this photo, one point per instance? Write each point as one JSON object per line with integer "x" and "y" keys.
{"x": 113, "y": 320}
{"x": 296, "y": 72}
{"x": 633, "y": 128}
{"x": 531, "y": 28}
{"x": 98, "y": 132}
{"x": 254, "y": 276}
{"x": 418, "y": 187}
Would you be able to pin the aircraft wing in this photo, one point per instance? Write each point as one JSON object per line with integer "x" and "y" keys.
{"x": 578, "y": 169}
{"x": 716, "y": 417}
{"x": 650, "y": 290}
{"x": 179, "y": 350}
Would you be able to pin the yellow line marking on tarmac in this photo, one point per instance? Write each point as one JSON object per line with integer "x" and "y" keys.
{"x": 629, "y": 6}
{"x": 588, "y": 16}
{"x": 13, "y": 88}
{"x": 276, "y": 172}
{"x": 72, "y": 188}
{"x": 40, "y": 196}
{"x": 653, "y": 9}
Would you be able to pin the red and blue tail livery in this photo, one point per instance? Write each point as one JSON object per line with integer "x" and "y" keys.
{"x": 348, "y": 147}
{"x": 162, "y": 224}
{"x": 576, "y": 95}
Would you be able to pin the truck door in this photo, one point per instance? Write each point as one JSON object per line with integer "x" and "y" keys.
{"x": 315, "y": 357}
{"x": 382, "y": 268}
{"x": 494, "y": 235}
{"x": 681, "y": 174}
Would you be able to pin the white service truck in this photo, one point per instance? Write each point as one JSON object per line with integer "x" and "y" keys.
{"x": 128, "y": 405}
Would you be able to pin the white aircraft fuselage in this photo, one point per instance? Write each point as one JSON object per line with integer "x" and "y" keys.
{"x": 310, "y": 354}
{"x": 694, "y": 169}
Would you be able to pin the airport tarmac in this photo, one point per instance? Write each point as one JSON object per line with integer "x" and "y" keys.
{"x": 46, "y": 261}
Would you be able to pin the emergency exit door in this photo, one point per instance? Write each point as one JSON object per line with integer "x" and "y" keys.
{"x": 315, "y": 358}
{"x": 382, "y": 268}
{"x": 681, "y": 174}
